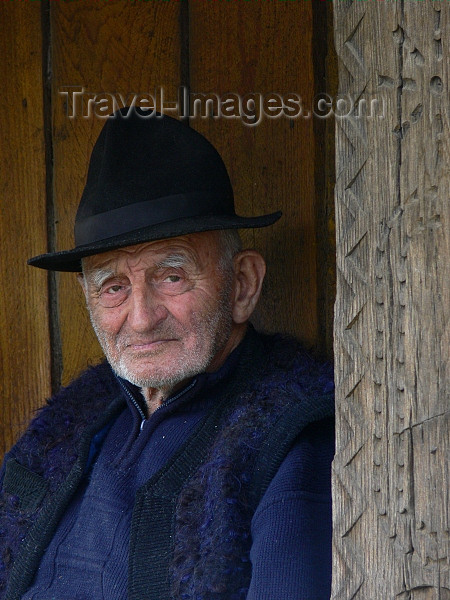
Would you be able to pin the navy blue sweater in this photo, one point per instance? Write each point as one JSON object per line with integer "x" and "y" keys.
{"x": 291, "y": 528}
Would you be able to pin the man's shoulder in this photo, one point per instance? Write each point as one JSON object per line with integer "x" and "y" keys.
{"x": 98, "y": 380}
{"x": 285, "y": 363}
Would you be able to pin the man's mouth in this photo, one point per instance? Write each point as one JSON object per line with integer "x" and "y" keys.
{"x": 149, "y": 345}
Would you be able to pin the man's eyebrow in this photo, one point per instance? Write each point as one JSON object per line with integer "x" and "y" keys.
{"x": 174, "y": 261}
{"x": 98, "y": 276}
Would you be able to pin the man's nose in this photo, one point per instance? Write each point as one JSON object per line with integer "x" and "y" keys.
{"x": 145, "y": 310}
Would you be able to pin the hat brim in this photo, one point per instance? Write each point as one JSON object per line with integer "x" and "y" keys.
{"x": 70, "y": 260}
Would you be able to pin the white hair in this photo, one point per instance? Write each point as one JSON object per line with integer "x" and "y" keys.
{"x": 230, "y": 244}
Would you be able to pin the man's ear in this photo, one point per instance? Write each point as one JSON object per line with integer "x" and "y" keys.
{"x": 249, "y": 271}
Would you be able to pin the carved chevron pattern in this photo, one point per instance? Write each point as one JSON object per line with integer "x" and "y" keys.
{"x": 352, "y": 211}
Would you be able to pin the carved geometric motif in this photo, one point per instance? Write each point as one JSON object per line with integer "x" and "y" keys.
{"x": 391, "y": 471}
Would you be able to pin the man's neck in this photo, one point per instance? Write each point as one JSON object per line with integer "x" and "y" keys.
{"x": 154, "y": 397}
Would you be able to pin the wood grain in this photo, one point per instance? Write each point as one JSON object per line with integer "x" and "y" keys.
{"x": 263, "y": 48}
{"x": 391, "y": 477}
{"x": 24, "y": 337}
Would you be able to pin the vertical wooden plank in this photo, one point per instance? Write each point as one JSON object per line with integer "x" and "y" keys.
{"x": 391, "y": 476}
{"x": 421, "y": 272}
{"x": 326, "y": 80}
{"x": 114, "y": 47}
{"x": 24, "y": 339}
{"x": 262, "y": 48}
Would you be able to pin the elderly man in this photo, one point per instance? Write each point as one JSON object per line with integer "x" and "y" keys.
{"x": 194, "y": 462}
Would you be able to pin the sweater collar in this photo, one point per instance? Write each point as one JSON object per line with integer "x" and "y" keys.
{"x": 202, "y": 381}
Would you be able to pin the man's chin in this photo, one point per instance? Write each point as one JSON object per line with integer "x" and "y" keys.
{"x": 141, "y": 373}
{"x": 156, "y": 381}
{"x": 159, "y": 376}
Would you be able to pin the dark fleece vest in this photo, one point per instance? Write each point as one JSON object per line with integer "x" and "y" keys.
{"x": 191, "y": 521}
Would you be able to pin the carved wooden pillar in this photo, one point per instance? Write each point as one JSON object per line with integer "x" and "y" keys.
{"x": 392, "y": 337}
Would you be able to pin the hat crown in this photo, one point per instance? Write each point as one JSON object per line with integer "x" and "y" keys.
{"x": 143, "y": 156}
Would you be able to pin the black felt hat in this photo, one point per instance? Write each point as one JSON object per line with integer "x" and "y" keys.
{"x": 150, "y": 177}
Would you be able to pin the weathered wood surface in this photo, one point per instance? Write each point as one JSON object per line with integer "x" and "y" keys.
{"x": 24, "y": 336}
{"x": 391, "y": 471}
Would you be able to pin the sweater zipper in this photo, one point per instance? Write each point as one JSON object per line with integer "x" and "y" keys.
{"x": 171, "y": 399}
{"x": 164, "y": 404}
{"x": 135, "y": 404}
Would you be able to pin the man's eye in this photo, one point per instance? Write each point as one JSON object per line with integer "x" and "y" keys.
{"x": 114, "y": 289}
{"x": 173, "y": 278}
{"x": 171, "y": 283}
{"x": 113, "y": 295}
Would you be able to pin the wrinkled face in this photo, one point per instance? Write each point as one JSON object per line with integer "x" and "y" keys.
{"x": 162, "y": 311}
